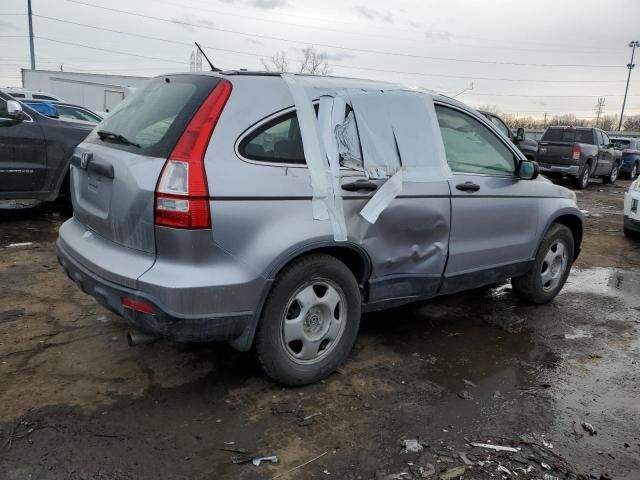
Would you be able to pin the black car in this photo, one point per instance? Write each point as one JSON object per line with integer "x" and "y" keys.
{"x": 35, "y": 151}
{"x": 64, "y": 111}
{"x": 630, "y": 155}
{"x": 528, "y": 147}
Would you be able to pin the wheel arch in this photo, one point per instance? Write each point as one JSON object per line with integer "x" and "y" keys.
{"x": 573, "y": 223}
{"x": 351, "y": 254}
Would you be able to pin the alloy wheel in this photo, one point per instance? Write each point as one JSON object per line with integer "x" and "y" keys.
{"x": 314, "y": 321}
{"x": 554, "y": 266}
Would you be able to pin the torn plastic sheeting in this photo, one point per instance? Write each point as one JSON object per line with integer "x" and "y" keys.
{"x": 400, "y": 137}
{"x": 348, "y": 142}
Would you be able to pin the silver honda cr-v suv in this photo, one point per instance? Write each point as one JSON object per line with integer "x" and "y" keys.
{"x": 275, "y": 209}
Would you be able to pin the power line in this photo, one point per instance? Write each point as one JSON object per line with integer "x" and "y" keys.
{"x": 339, "y": 47}
{"x": 368, "y": 34}
{"x": 544, "y": 96}
{"x": 240, "y": 52}
{"x": 108, "y": 50}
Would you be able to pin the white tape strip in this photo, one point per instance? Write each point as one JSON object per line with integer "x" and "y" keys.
{"x": 382, "y": 198}
{"x": 312, "y": 146}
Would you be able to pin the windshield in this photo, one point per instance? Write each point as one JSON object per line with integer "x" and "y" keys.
{"x": 155, "y": 116}
{"x": 572, "y": 135}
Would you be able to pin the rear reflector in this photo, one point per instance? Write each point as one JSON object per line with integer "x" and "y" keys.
{"x": 575, "y": 152}
{"x": 138, "y": 305}
{"x": 182, "y": 194}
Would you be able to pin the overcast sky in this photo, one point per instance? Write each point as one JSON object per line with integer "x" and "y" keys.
{"x": 363, "y": 38}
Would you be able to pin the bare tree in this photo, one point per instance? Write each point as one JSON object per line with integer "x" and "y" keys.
{"x": 489, "y": 108}
{"x": 609, "y": 122}
{"x": 277, "y": 62}
{"x": 313, "y": 62}
{"x": 632, "y": 123}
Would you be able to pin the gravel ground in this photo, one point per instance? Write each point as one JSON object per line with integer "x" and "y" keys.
{"x": 476, "y": 368}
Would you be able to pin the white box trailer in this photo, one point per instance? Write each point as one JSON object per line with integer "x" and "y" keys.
{"x": 97, "y": 92}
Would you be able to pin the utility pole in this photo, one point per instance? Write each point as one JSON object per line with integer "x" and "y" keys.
{"x": 545, "y": 119}
{"x": 31, "y": 49}
{"x": 633, "y": 44}
{"x": 599, "y": 110}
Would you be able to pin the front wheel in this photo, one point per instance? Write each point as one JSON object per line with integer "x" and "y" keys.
{"x": 613, "y": 175}
{"x": 310, "y": 320}
{"x": 550, "y": 268}
{"x": 634, "y": 171}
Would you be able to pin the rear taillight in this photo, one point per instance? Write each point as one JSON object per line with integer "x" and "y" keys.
{"x": 575, "y": 152}
{"x": 182, "y": 194}
{"x": 628, "y": 150}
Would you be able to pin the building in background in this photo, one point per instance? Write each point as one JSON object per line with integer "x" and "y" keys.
{"x": 97, "y": 92}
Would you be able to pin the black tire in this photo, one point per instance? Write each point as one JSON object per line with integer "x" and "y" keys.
{"x": 634, "y": 171}
{"x": 531, "y": 287}
{"x": 275, "y": 354}
{"x": 64, "y": 203}
{"x": 613, "y": 174}
{"x": 582, "y": 181}
{"x": 631, "y": 234}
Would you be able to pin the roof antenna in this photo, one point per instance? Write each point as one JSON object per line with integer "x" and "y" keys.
{"x": 213, "y": 69}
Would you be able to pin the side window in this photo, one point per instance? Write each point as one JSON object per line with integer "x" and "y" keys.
{"x": 501, "y": 126}
{"x": 276, "y": 141}
{"x": 605, "y": 139}
{"x": 471, "y": 147}
{"x": 43, "y": 97}
{"x": 3, "y": 109}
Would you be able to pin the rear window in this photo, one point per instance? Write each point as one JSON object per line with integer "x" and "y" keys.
{"x": 17, "y": 95}
{"x": 155, "y": 116}
{"x": 579, "y": 135}
{"x": 42, "y": 97}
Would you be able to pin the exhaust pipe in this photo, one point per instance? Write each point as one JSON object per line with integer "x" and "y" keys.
{"x": 136, "y": 337}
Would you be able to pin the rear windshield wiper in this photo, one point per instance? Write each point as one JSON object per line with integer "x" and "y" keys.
{"x": 116, "y": 137}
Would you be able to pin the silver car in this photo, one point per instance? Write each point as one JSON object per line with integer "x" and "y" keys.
{"x": 275, "y": 209}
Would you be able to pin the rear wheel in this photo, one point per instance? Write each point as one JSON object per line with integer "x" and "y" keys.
{"x": 613, "y": 175}
{"x": 310, "y": 320}
{"x": 550, "y": 268}
{"x": 634, "y": 171}
{"x": 582, "y": 181}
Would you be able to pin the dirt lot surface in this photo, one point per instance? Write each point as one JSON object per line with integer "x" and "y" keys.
{"x": 77, "y": 403}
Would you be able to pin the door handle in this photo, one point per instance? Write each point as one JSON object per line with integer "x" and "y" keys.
{"x": 468, "y": 187}
{"x": 360, "y": 185}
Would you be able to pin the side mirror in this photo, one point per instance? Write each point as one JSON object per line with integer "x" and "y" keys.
{"x": 14, "y": 110}
{"x": 520, "y": 134}
{"x": 528, "y": 170}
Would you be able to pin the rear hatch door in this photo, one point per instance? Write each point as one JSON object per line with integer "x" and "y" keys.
{"x": 114, "y": 172}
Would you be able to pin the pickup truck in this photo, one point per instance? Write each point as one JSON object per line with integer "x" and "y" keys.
{"x": 528, "y": 147}
{"x": 578, "y": 153}
{"x": 35, "y": 152}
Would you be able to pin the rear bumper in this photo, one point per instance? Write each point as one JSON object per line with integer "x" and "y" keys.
{"x": 550, "y": 169}
{"x": 185, "y": 328}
